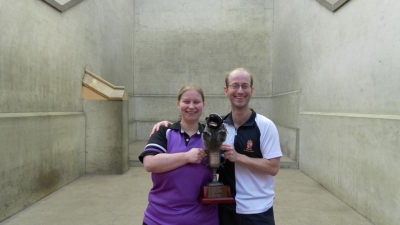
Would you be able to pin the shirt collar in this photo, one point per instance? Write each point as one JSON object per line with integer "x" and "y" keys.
{"x": 177, "y": 126}
{"x": 250, "y": 122}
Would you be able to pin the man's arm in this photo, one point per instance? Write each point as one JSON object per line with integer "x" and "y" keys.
{"x": 157, "y": 126}
{"x": 269, "y": 166}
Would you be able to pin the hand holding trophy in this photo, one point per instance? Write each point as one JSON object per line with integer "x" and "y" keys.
{"x": 213, "y": 136}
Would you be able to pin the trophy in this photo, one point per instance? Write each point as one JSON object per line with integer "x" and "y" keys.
{"x": 213, "y": 136}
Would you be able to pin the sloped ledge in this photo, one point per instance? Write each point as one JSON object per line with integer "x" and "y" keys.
{"x": 332, "y": 5}
{"x": 101, "y": 87}
{"x": 62, "y": 5}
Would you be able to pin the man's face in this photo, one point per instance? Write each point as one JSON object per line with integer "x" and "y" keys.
{"x": 239, "y": 90}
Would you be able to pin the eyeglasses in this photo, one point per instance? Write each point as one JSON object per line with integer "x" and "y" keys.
{"x": 236, "y": 86}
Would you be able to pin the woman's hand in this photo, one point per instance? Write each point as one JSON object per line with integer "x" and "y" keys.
{"x": 195, "y": 155}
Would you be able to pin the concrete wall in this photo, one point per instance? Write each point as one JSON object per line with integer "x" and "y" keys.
{"x": 182, "y": 41}
{"x": 39, "y": 153}
{"x": 107, "y": 150}
{"x": 329, "y": 81}
{"x": 43, "y": 54}
{"x": 336, "y": 82}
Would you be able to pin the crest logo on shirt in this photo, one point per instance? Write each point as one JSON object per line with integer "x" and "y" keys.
{"x": 249, "y": 146}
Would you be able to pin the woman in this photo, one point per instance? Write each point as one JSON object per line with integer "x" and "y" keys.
{"x": 174, "y": 155}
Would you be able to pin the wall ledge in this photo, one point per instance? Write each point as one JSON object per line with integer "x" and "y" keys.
{"x": 353, "y": 115}
{"x": 36, "y": 114}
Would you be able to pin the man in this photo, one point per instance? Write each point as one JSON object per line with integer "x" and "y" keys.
{"x": 252, "y": 156}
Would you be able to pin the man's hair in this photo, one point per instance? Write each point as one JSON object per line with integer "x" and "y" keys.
{"x": 238, "y": 69}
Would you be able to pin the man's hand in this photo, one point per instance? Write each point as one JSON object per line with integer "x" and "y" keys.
{"x": 157, "y": 126}
{"x": 229, "y": 152}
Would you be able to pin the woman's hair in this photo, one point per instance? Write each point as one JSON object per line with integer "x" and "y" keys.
{"x": 238, "y": 69}
{"x": 189, "y": 87}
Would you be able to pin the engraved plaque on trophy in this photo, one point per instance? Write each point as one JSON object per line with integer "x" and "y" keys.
{"x": 213, "y": 136}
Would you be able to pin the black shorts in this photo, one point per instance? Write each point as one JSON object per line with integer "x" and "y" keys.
{"x": 228, "y": 216}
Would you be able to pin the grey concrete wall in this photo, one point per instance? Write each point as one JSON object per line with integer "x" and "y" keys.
{"x": 43, "y": 55}
{"x": 181, "y": 41}
{"x": 106, "y": 136}
{"x": 44, "y": 52}
{"x": 285, "y": 113}
{"x": 357, "y": 159}
{"x": 40, "y": 152}
{"x": 336, "y": 77}
{"x": 131, "y": 119}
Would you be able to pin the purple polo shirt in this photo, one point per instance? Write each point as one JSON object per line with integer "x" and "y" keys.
{"x": 174, "y": 197}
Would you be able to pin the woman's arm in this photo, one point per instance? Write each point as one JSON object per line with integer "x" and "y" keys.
{"x": 165, "y": 162}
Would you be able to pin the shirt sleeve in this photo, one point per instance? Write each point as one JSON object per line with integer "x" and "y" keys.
{"x": 157, "y": 143}
{"x": 270, "y": 145}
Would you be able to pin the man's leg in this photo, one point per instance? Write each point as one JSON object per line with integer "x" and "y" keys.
{"x": 265, "y": 218}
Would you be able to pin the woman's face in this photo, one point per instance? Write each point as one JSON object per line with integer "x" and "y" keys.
{"x": 191, "y": 106}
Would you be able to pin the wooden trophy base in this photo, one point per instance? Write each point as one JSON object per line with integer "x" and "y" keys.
{"x": 216, "y": 194}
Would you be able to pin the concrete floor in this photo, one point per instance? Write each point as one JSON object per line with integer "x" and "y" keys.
{"x": 121, "y": 200}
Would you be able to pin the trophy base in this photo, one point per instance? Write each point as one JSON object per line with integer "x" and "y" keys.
{"x": 216, "y": 194}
